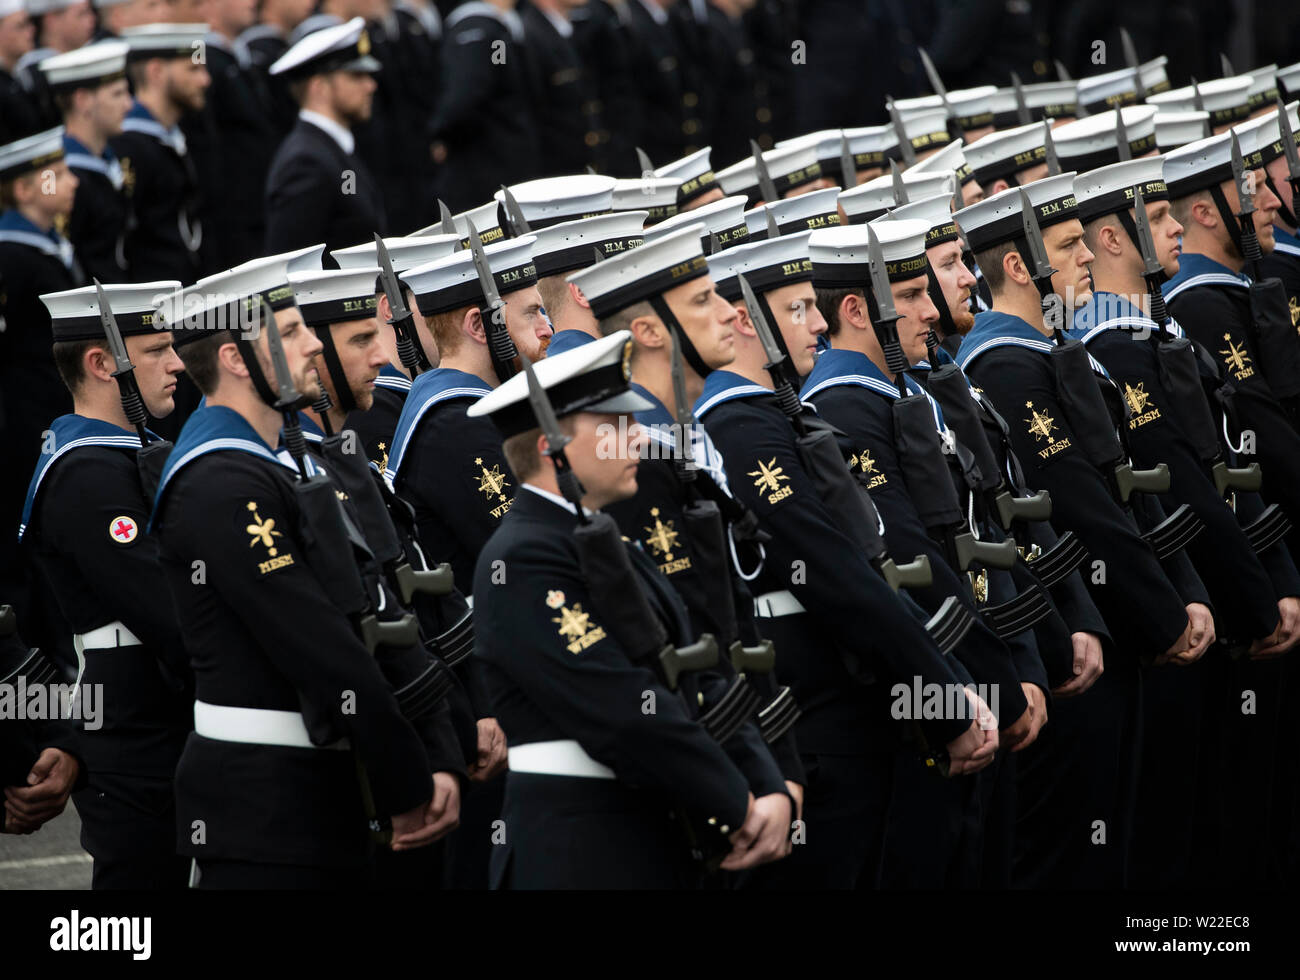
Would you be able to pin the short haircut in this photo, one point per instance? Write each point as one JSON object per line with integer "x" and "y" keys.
{"x": 8, "y": 199}
{"x": 138, "y": 73}
{"x": 828, "y": 304}
{"x": 1181, "y": 207}
{"x": 69, "y": 356}
{"x": 521, "y": 450}
{"x": 445, "y": 328}
{"x": 622, "y": 320}
{"x": 1091, "y": 229}
{"x": 555, "y": 294}
{"x": 201, "y": 362}
{"x": 990, "y": 264}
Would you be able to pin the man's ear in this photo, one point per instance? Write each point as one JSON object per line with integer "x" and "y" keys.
{"x": 1204, "y": 213}
{"x": 649, "y": 332}
{"x": 743, "y": 323}
{"x": 1014, "y": 268}
{"x": 1108, "y": 238}
{"x": 231, "y": 360}
{"x": 999, "y": 185}
{"x": 97, "y": 363}
{"x": 853, "y": 311}
{"x": 575, "y": 294}
{"x": 382, "y": 309}
{"x": 472, "y": 326}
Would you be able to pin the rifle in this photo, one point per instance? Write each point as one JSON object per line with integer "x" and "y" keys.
{"x": 409, "y": 349}
{"x": 936, "y": 83}
{"x": 501, "y": 345}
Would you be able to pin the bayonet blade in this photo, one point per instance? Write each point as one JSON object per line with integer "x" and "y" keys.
{"x": 1288, "y": 141}
{"x": 1130, "y": 51}
{"x": 880, "y": 279}
{"x": 1061, "y": 74}
{"x": 771, "y": 348}
{"x": 392, "y": 288}
{"x": 1121, "y": 136}
{"x": 896, "y": 177}
{"x": 773, "y": 229}
{"x": 904, "y": 144}
{"x": 848, "y": 168}
{"x": 682, "y": 407}
{"x": 1040, "y": 267}
{"x": 1197, "y": 102}
{"x": 643, "y": 161}
{"x": 485, "y": 279}
{"x": 1022, "y": 107}
{"x": 287, "y": 392}
{"x": 448, "y": 222}
{"x": 515, "y": 214}
{"x": 766, "y": 189}
{"x": 1243, "y": 179}
{"x": 932, "y": 73}
{"x": 1146, "y": 244}
{"x": 116, "y": 345}
{"x": 1049, "y": 147}
{"x": 1226, "y": 65}
{"x": 540, "y": 402}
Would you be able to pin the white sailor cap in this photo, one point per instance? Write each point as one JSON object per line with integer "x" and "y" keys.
{"x": 766, "y": 265}
{"x": 657, "y": 196}
{"x": 164, "y": 41}
{"x": 550, "y": 200}
{"x": 486, "y": 218}
{"x": 841, "y": 259}
{"x": 1002, "y": 155}
{"x": 873, "y": 146}
{"x": 926, "y": 128}
{"x": 1175, "y": 129}
{"x": 31, "y": 153}
{"x": 1044, "y": 100}
{"x": 1111, "y": 89}
{"x": 593, "y": 377}
{"x": 1227, "y": 100}
{"x": 342, "y": 47}
{"x": 571, "y": 245}
{"x": 38, "y": 7}
{"x": 312, "y": 24}
{"x": 638, "y": 274}
{"x": 101, "y": 4}
{"x": 724, "y": 219}
{"x": 1200, "y": 165}
{"x": 1154, "y": 77}
{"x": 1263, "y": 86}
{"x": 229, "y": 300}
{"x": 872, "y": 199}
{"x": 970, "y": 108}
{"x": 451, "y": 283}
{"x": 1262, "y": 138}
{"x": 1109, "y": 189}
{"x": 1093, "y": 141}
{"x": 827, "y": 144}
{"x": 952, "y": 158}
{"x": 328, "y": 296}
{"x": 1288, "y": 80}
{"x": 935, "y": 211}
{"x": 789, "y": 167}
{"x": 805, "y": 212}
{"x": 405, "y": 253}
{"x": 89, "y": 67}
{"x": 695, "y": 172}
{"x": 8, "y": 7}
{"x": 74, "y": 313}
{"x": 997, "y": 219}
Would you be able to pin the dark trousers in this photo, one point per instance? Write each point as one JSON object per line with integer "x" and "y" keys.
{"x": 1076, "y": 786}
{"x": 128, "y": 825}
{"x": 469, "y": 847}
{"x": 934, "y": 829}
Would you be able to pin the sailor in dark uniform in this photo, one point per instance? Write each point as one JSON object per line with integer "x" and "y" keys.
{"x": 411, "y": 60}
{"x": 594, "y": 774}
{"x": 115, "y": 16}
{"x": 18, "y": 115}
{"x": 266, "y": 41}
{"x": 318, "y": 190}
{"x": 852, "y": 388}
{"x": 1006, "y": 354}
{"x": 37, "y": 190}
{"x": 849, "y": 744}
{"x": 565, "y": 93}
{"x": 452, "y": 470}
{"x": 1284, "y": 261}
{"x": 298, "y": 740}
{"x": 84, "y": 529}
{"x": 484, "y": 131}
{"x": 165, "y": 238}
{"x": 90, "y": 86}
{"x": 232, "y": 140}
{"x": 668, "y": 121}
{"x": 600, "y": 32}
{"x": 377, "y": 425}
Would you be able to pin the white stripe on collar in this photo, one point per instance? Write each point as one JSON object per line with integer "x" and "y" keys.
{"x": 1287, "y": 248}
{"x": 151, "y": 127}
{"x": 734, "y": 392}
{"x": 1207, "y": 279}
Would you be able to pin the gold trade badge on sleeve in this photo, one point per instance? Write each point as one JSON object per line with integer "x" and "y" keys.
{"x": 1140, "y": 404}
{"x": 768, "y": 479}
{"x": 1041, "y": 426}
{"x": 576, "y": 626}
{"x": 664, "y": 540}
{"x": 1237, "y": 360}
{"x": 263, "y": 532}
{"x": 867, "y": 466}
{"x": 492, "y": 483}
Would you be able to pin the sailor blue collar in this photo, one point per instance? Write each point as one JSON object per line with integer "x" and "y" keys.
{"x": 1195, "y": 269}
{"x": 141, "y": 120}
{"x": 566, "y": 340}
{"x": 1111, "y": 311}
{"x": 838, "y": 368}
{"x": 995, "y": 329}
{"x": 211, "y": 429}
{"x": 430, "y": 388}
{"x": 74, "y": 432}
{"x": 79, "y": 155}
{"x": 1285, "y": 241}
{"x": 17, "y": 227}
{"x": 725, "y": 386}
{"x": 392, "y": 379}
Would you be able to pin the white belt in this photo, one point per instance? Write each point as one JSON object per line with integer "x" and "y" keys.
{"x": 770, "y": 605}
{"x": 109, "y": 637}
{"x": 259, "y": 726}
{"x": 560, "y": 758}
{"x": 115, "y": 634}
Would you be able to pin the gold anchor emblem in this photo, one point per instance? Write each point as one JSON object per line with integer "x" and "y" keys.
{"x": 492, "y": 481}
{"x": 1040, "y": 424}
